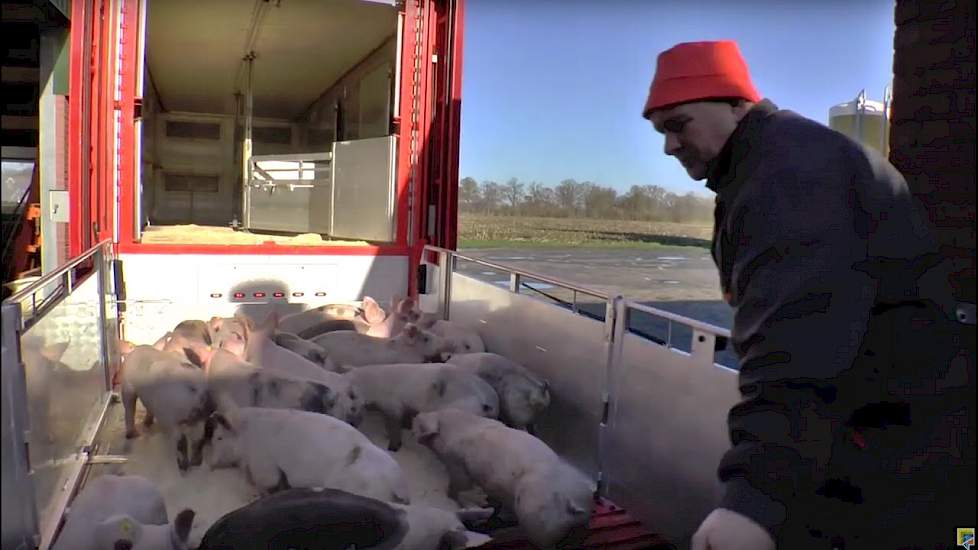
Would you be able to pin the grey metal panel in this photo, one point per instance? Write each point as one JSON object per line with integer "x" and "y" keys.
{"x": 18, "y": 522}
{"x": 320, "y": 212}
{"x": 279, "y": 209}
{"x": 666, "y": 434}
{"x": 363, "y": 189}
{"x": 567, "y": 349}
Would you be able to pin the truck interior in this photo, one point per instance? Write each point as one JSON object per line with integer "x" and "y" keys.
{"x": 258, "y": 117}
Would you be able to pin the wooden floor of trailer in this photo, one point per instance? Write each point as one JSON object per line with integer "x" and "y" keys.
{"x": 206, "y": 234}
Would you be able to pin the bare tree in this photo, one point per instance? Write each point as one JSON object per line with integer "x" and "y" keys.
{"x": 513, "y": 194}
{"x": 492, "y": 196}
{"x": 468, "y": 194}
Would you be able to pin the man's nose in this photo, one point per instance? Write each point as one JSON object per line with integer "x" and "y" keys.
{"x": 672, "y": 144}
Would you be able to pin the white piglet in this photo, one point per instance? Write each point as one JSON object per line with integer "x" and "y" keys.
{"x": 173, "y": 390}
{"x": 413, "y": 345}
{"x": 551, "y": 499}
{"x": 401, "y": 391}
{"x": 430, "y": 527}
{"x": 114, "y": 512}
{"x": 522, "y": 395}
{"x": 245, "y": 385}
{"x": 283, "y": 448}
{"x": 460, "y": 339}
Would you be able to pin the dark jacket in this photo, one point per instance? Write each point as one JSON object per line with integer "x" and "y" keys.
{"x": 847, "y": 366}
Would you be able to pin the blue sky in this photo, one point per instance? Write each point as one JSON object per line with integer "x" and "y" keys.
{"x": 553, "y": 89}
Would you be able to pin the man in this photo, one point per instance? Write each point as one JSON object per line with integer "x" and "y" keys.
{"x": 852, "y": 431}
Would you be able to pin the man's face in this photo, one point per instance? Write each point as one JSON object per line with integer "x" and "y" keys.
{"x": 696, "y": 132}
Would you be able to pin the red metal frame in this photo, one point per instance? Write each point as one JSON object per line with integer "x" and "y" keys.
{"x": 128, "y": 156}
{"x": 77, "y": 179}
{"x": 94, "y": 41}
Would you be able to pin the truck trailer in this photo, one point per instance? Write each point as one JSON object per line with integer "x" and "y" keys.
{"x": 278, "y": 155}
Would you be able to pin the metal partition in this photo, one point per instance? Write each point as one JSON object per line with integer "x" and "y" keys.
{"x": 646, "y": 418}
{"x": 666, "y": 427}
{"x": 281, "y": 189}
{"x": 57, "y": 361}
{"x": 364, "y": 181}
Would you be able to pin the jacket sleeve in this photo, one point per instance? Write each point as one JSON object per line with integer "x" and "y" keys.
{"x": 802, "y": 312}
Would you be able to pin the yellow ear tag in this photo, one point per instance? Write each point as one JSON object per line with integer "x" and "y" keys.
{"x": 125, "y": 527}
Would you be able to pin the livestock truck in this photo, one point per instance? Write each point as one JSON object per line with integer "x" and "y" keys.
{"x": 229, "y": 156}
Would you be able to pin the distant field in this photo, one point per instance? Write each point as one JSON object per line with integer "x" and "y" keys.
{"x": 481, "y": 231}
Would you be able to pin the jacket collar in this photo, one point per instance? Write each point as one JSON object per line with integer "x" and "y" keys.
{"x": 720, "y": 170}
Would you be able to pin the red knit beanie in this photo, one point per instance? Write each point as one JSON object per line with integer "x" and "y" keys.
{"x": 694, "y": 71}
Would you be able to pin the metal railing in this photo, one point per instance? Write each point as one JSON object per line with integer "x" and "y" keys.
{"x": 517, "y": 283}
{"x": 295, "y": 171}
{"x": 32, "y": 527}
{"x": 607, "y": 398}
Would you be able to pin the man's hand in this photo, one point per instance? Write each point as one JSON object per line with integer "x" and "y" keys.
{"x": 727, "y": 530}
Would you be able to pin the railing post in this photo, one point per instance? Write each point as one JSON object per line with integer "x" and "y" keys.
{"x": 446, "y": 266}
{"x": 101, "y": 264}
{"x": 614, "y": 321}
{"x": 515, "y": 281}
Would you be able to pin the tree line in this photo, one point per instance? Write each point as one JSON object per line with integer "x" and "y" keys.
{"x": 573, "y": 199}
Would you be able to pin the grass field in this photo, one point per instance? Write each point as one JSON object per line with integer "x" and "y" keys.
{"x": 482, "y": 231}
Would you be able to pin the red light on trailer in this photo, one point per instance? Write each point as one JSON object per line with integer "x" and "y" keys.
{"x": 278, "y": 294}
{"x": 320, "y": 293}
{"x": 239, "y": 294}
{"x": 259, "y": 294}
{"x": 298, "y": 294}
{"x": 216, "y": 295}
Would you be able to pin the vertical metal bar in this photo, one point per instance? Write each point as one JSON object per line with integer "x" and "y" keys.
{"x": 574, "y": 307}
{"x": 860, "y": 110}
{"x": 668, "y": 333}
{"x": 68, "y": 281}
{"x": 515, "y": 280}
{"x": 446, "y": 266}
{"x": 101, "y": 273}
{"x": 614, "y": 326}
{"x": 246, "y": 145}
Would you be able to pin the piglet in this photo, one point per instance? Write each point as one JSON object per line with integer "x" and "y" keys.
{"x": 522, "y": 395}
{"x": 280, "y": 448}
{"x": 430, "y": 527}
{"x": 413, "y": 345}
{"x": 303, "y": 347}
{"x": 173, "y": 390}
{"x": 261, "y": 350}
{"x": 296, "y": 323}
{"x": 400, "y": 391}
{"x": 130, "y": 509}
{"x": 246, "y": 385}
{"x": 551, "y": 500}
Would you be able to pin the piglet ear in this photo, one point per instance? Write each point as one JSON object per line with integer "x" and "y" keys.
{"x": 405, "y": 306}
{"x": 215, "y": 324}
{"x": 372, "y": 312}
{"x": 425, "y": 426}
{"x": 183, "y": 523}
